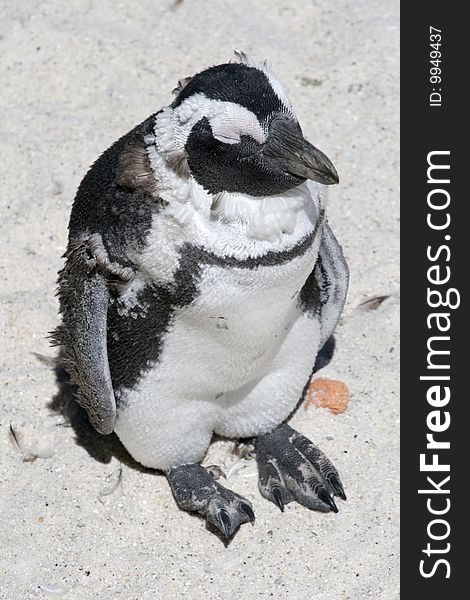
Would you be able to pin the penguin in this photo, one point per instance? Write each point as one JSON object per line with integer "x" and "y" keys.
{"x": 201, "y": 279}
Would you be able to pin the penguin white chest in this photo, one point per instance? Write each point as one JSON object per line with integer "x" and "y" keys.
{"x": 215, "y": 350}
{"x": 231, "y": 331}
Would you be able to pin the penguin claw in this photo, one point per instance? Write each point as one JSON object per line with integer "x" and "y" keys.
{"x": 225, "y": 523}
{"x": 327, "y": 499}
{"x": 277, "y": 496}
{"x": 246, "y": 508}
{"x": 337, "y": 486}
{"x": 292, "y": 468}
{"x": 195, "y": 489}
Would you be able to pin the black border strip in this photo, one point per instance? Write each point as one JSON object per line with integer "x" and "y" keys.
{"x": 428, "y": 128}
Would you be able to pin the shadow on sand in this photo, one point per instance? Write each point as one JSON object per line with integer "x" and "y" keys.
{"x": 100, "y": 447}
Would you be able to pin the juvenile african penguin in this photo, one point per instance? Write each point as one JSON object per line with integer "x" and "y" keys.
{"x": 201, "y": 279}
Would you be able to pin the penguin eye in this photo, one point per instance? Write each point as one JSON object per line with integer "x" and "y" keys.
{"x": 225, "y": 130}
{"x": 227, "y": 139}
{"x": 228, "y": 127}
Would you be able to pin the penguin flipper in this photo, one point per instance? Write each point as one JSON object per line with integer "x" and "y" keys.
{"x": 84, "y": 300}
{"x": 332, "y": 276}
{"x": 324, "y": 292}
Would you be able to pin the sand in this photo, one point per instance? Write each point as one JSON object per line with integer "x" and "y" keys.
{"x": 79, "y": 519}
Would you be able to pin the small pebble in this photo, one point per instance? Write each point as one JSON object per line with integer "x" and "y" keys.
{"x": 328, "y": 393}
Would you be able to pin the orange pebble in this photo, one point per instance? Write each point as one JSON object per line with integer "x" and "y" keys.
{"x": 327, "y": 393}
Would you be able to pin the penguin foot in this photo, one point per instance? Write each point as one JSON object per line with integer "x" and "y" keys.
{"x": 196, "y": 490}
{"x": 292, "y": 468}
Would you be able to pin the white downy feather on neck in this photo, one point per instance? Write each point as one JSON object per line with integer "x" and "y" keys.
{"x": 265, "y": 218}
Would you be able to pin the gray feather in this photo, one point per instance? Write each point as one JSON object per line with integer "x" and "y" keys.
{"x": 84, "y": 299}
{"x": 332, "y": 275}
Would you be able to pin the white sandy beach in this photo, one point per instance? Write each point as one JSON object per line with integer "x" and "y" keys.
{"x": 82, "y": 521}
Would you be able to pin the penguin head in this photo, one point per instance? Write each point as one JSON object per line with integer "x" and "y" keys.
{"x": 238, "y": 132}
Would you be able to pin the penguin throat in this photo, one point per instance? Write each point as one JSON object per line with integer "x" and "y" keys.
{"x": 267, "y": 218}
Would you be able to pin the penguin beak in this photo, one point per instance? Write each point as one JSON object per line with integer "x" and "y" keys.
{"x": 311, "y": 163}
{"x": 296, "y": 156}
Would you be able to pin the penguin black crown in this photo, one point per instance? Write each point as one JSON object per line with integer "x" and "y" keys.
{"x": 201, "y": 280}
